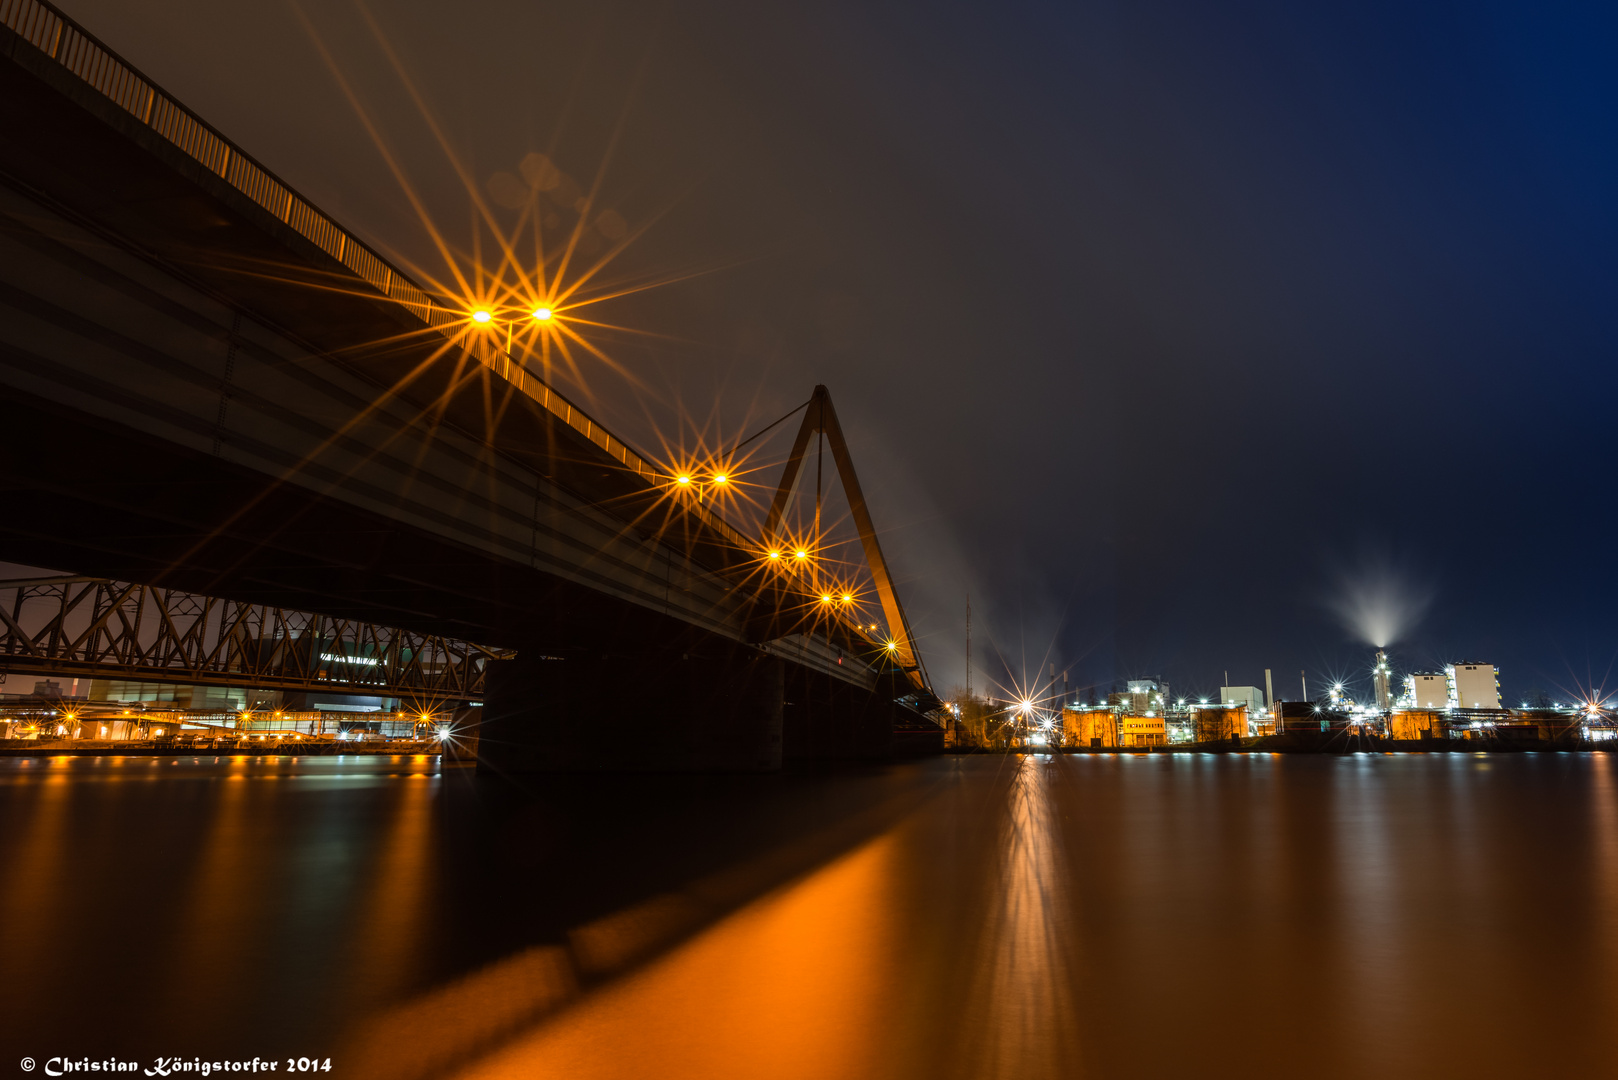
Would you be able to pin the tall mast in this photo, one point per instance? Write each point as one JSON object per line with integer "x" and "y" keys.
{"x": 969, "y": 645}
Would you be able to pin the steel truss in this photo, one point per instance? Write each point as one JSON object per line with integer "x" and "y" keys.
{"x": 96, "y": 627}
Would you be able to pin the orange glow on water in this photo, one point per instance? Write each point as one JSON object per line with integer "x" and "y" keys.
{"x": 399, "y": 889}
{"x": 794, "y": 986}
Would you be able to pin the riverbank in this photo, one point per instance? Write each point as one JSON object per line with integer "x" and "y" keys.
{"x": 284, "y": 748}
{"x": 1324, "y": 744}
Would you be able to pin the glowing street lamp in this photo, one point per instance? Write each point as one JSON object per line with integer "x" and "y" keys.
{"x": 481, "y": 316}
{"x": 543, "y": 314}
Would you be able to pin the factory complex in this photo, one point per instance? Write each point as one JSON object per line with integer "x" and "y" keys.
{"x": 1462, "y": 701}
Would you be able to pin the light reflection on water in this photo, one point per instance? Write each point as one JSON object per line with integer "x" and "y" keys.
{"x": 1018, "y": 1012}
{"x": 1604, "y": 814}
{"x": 1102, "y": 915}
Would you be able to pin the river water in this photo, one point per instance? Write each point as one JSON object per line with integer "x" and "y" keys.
{"x": 1107, "y": 916}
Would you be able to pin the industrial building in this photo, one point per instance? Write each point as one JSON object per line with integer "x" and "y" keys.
{"x": 1411, "y": 724}
{"x": 1426, "y": 690}
{"x": 1089, "y": 726}
{"x": 1460, "y": 702}
{"x": 1296, "y": 717}
{"x": 1472, "y": 684}
{"x": 1143, "y": 697}
{"x": 1097, "y": 728}
{"x": 1219, "y": 723}
{"x": 1250, "y": 696}
{"x": 1142, "y": 731}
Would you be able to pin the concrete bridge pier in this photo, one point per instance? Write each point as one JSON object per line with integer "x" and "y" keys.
{"x": 718, "y": 711}
{"x": 827, "y": 718}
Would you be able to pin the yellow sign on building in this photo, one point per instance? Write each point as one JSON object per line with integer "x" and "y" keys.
{"x": 1142, "y": 731}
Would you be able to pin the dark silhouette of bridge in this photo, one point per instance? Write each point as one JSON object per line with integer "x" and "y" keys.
{"x": 209, "y": 385}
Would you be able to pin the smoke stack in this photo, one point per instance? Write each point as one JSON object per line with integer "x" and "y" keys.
{"x": 1269, "y": 691}
{"x": 1384, "y": 676}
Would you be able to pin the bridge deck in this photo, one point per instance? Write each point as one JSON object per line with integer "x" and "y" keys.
{"x": 192, "y": 401}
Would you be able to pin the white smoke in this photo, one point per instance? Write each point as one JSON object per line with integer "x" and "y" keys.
{"x": 1379, "y": 599}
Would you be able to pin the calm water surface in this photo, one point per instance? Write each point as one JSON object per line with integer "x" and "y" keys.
{"x": 1108, "y": 916}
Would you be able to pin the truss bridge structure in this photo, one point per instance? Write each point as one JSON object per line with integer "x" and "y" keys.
{"x": 90, "y": 627}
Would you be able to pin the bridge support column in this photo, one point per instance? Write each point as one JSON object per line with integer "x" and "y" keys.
{"x": 637, "y": 713}
{"x": 827, "y": 718}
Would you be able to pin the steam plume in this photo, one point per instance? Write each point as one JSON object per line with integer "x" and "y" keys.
{"x": 1378, "y": 599}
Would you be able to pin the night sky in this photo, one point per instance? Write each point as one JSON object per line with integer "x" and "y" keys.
{"x": 1171, "y": 331}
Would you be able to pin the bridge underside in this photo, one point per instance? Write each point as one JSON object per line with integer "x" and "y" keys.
{"x": 599, "y": 682}
{"x": 197, "y": 396}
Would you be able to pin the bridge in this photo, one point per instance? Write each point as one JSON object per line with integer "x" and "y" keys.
{"x": 209, "y": 385}
{"x": 95, "y": 628}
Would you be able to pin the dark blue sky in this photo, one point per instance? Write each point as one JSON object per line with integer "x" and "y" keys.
{"x": 1160, "y": 326}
